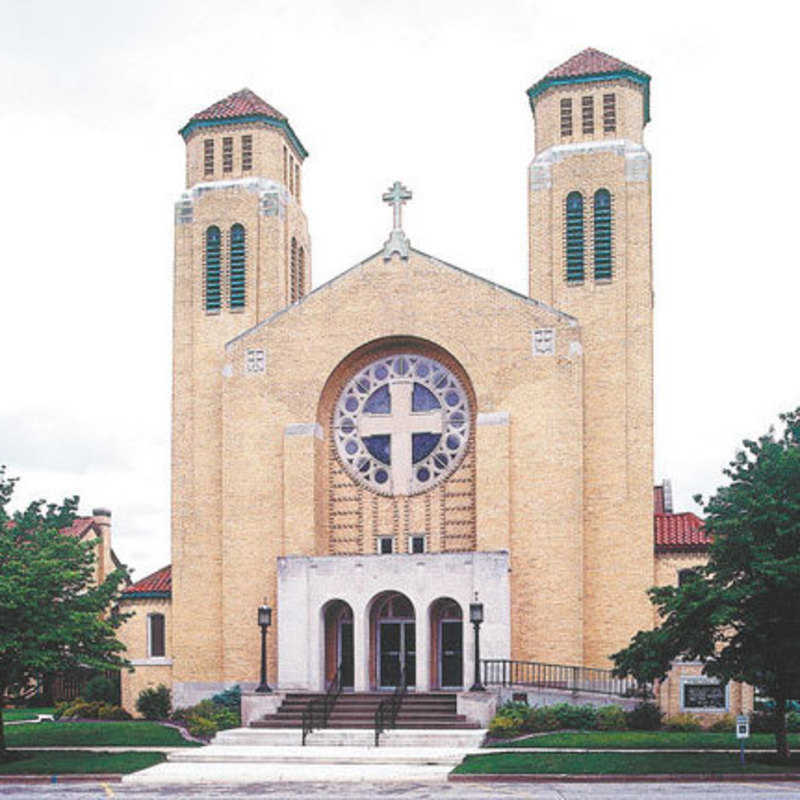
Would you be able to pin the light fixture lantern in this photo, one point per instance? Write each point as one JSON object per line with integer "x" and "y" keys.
{"x": 476, "y": 613}
{"x": 264, "y": 616}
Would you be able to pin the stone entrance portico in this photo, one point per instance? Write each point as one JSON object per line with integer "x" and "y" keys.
{"x": 307, "y": 585}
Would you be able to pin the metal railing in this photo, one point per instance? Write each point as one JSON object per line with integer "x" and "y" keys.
{"x": 504, "y": 672}
{"x": 386, "y": 714}
{"x": 317, "y": 711}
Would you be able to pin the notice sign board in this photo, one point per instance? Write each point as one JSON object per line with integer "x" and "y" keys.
{"x": 742, "y": 726}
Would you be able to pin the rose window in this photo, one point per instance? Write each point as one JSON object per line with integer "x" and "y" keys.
{"x": 401, "y": 424}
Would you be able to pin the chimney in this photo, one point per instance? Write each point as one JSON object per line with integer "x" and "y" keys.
{"x": 667, "y": 483}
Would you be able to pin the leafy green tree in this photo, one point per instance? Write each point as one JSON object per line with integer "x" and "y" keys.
{"x": 740, "y": 613}
{"x": 52, "y": 615}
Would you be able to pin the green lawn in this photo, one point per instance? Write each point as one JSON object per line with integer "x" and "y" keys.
{"x": 91, "y": 734}
{"x": 620, "y": 763}
{"x": 645, "y": 739}
{"x": 57, "y": 762}
{"x": 13, "y": 714}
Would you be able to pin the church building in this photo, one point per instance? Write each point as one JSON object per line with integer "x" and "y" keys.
{"x": 370, "y": 456}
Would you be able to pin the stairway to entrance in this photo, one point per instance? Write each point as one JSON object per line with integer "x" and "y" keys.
{"x": 427, "y": 710}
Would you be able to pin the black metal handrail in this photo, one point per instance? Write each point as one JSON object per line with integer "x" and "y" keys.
{"x": 386, "y": 714}
{"x": 317, "y": 711}
{"x": 505, "y": 672}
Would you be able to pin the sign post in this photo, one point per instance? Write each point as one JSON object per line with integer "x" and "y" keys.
{"x": 742, "y": 733}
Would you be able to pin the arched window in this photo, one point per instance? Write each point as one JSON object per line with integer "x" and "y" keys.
{"x": 238, "y": 264}
{"x": 213, "y": 285}
{"x": 574, "y": 237}
{"x": 686, "y": 575}
{"x": 301, "y": 272}
{"x": 293, "y": 273}
{"x": 602, "y": 234}
{"x": 156, "y": 646}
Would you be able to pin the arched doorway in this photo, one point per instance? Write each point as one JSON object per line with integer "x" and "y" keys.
{"x": 393, "y": 641}
{"x": 447, "y": 644}
{"x": 338, "y": 618}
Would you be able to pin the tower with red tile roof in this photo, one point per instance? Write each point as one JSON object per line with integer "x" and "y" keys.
{"x": 589, "y": 228}
{"x": 242, "y": 253}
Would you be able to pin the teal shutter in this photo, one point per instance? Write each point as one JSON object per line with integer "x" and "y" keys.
{"x": 238, "y": 264}
{"x": 602, "y": 234}
{"x": 574, "y": 243}
{"x": 213, "y": 279}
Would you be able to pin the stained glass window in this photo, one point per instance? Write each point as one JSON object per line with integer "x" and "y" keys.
{"x": 213, "y": 284}
{"x": 401, "y": 424}
{"x": 574, "y": 236}
{"x": 602, "y": 234}
{"x": 237, "y": 267}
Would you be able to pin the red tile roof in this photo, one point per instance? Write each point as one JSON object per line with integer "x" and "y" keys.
{"x": 158, "y": 583}
{"x": 79, "y": 527}
{"x": 679, "y": 532}
{"x": 590, "y": 62}
{"x": 243, "y": 103}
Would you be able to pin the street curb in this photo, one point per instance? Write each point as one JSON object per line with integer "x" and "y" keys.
{"x": 698, "y": 777}
{"x": 87, "y": 777}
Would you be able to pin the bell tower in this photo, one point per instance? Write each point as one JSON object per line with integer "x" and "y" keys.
{"x": 242, "y": 252}
{"x": 590, "y": 256}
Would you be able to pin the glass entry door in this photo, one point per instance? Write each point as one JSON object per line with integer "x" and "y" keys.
{"x": 396, "y": 646}
{"x": 451, "y": 654}
{"x": 346, "y": 653}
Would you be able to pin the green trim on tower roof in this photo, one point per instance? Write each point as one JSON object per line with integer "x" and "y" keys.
{"x": 281, "y": 124}
{"x": 129, "y": 594}
{"x": 625, "y": 74}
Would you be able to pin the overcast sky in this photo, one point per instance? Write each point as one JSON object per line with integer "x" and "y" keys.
{"x": 431, "y": 93}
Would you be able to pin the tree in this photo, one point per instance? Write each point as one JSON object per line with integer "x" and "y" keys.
{"x": 52, "y": 615}
{"x": 740, "y": 613}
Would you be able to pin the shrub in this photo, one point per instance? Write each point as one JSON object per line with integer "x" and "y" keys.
{"x": 793, "y": 721}
{"x": 154, "y": 703}
{"x": 103, "y": 689}
{"x": 725, "y": 724}
{"x": 683, "y": 723}
{"x": 762, "y": 722}
{"x": 81, "y": 709}
{"x": 644, "y": 717}
{"x": 230, "y": 698}
{"x": 542, "y": 718}
{"x": 201, "y": 727}
{"x": 575, "y": 717}
{"x": 611, "y": 718}
{"x": 504, "y": 727}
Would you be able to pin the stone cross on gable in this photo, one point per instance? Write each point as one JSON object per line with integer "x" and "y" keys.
{"x": 397, "y": 241}
{"x": 401, "y": 425}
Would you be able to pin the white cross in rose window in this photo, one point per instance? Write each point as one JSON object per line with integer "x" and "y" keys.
{"x": 401, "y": 424}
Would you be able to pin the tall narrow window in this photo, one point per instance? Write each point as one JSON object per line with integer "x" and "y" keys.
{"x": 574, "y": 236}
{"x": 291, "y": 175}
{"x": 247, "y": 152}
{"x": 285, "y": 167}
{"x": 301, "y": 273}
{"x": 602, "y": 234}
{"x": 566, "y": 116}
{"x": 609, "y": 113}
{"x": 238, "y": 263}
{"x": 156, "y": 645}
{"x": 297, "y": 181}
{"x": 293, "y": 272}
{"x": 587, "y": 114}
{"x": 213, "y": 283}
{"x": 227, "y": 154}
{"x": 208, "y": 157}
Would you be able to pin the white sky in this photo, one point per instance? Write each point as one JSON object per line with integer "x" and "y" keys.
{"x": 431, "y": 93}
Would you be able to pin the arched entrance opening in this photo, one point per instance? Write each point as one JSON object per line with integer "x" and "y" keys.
{"x": 393, "y": 641}
{"x": 338, "y": 618}
{"x": 447, "y": 644}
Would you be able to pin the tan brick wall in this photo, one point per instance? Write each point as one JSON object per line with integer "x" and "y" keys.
{"x": 616, "y": 320}
{"x": 133, "y": 634}
{"x": 630, "y": 113}
{"x": 199, "y": 339}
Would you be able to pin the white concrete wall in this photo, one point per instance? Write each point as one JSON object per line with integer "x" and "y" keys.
{"x": 306, "y": 584}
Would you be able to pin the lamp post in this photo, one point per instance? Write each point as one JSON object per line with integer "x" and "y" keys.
{"x": 264, "y": 620}
{"x": 476, "y": 617}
